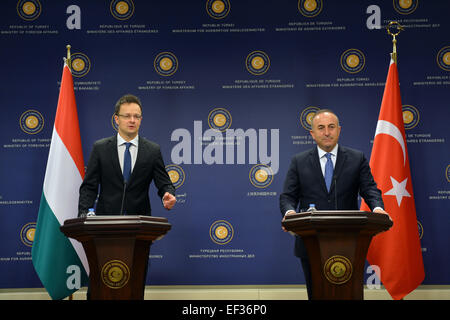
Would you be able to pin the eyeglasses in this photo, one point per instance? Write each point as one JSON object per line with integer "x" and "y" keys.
{"x": 129, "y": 116}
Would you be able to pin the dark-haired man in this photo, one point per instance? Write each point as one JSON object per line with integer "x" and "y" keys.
{"x": 329, "y": 176}
{"x": 126, "y": 163}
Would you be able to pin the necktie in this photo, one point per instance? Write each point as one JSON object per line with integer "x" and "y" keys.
{"x": 127, "y": 162}
{"x": 328, "y": 171}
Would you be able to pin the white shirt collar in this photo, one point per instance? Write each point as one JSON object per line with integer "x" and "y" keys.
{"x": 121, "y": 140}
{"x": 323, "y": 153}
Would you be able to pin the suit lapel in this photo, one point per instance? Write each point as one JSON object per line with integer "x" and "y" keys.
{"x": 139, "y": 159}
{"x": 315, "y": 164}
{"x": 341, "y": 158}
{"x": 112, "y": 148}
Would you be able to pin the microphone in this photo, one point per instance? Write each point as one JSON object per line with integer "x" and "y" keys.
{"x": 123, "y": 197}
{"x": 335, "y": 194}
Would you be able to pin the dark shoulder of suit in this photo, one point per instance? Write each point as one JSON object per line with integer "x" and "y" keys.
{"x": 104, "y": 141}
{"x": 354, "y": 155}
{"x": 302, "y": 155}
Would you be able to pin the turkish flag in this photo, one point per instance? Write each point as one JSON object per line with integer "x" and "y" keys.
{"x": 397, "y": 252}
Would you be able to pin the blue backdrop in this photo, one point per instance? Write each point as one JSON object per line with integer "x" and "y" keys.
{"x": 228, "y": 89}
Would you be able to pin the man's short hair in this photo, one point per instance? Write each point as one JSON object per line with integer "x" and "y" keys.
{"x": 128, "y": 98}
{"x": 323, "y": 111}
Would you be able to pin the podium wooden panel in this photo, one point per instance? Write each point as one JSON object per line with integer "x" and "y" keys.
{"x": 117, "y": 249}
{"x": 337, "y": 243}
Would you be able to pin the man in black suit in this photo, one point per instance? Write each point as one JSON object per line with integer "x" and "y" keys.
{"x": 126, "y": 163}
{"x": 329, "y": 176}
{"x": 124, "y": 166}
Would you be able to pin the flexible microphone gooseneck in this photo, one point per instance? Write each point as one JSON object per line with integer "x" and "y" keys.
{"x": 335, "y": 194}
{"x": 123, "y": 197}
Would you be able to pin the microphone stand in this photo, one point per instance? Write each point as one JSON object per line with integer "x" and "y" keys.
{"x": 123, "y": 197}
{"x": 335, "y": 194}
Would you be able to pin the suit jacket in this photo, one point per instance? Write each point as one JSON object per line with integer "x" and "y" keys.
{"x": 305, "y": 184}
{"x": 104, "y": 170}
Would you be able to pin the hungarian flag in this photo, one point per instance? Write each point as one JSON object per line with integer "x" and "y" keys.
{"x": 60, "y": 262}
{"x": 397, "y": 251}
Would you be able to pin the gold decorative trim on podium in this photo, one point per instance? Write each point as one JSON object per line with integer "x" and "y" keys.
{"x": 115, "y": 274}
{"x": 338, "y": 269}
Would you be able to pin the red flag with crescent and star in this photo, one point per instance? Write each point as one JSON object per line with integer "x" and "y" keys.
{"x": 397, "y": 252}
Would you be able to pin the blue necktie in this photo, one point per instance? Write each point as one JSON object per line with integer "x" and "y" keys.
{"x": 127, "y": 162}
{"x": 328, "y": 171}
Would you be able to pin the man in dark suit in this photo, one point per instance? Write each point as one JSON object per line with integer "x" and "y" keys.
{"x": 329, "y": 176}
{"x": 126, "y": 163}
{"x": 124, "y": 166}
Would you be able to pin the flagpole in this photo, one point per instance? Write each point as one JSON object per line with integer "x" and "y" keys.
{"x": 68, "y": 59}
{"x": 69, "y": 65}
{"x": 394, "y": 39}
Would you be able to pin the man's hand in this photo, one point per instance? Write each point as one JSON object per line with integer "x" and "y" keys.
{"x": 379, "y": 210}
{"x": 169, "y": 200}
{"x": 284, "y": 218}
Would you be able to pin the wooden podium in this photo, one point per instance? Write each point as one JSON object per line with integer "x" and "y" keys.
{"x": 117, "y": 249}
{"x": 337, "y": 243}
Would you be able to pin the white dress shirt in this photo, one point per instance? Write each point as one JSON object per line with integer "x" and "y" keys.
{"x": 121, "y": 150}
{"x": 323, "y": 158}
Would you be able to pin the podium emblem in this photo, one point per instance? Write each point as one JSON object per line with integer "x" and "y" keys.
{"x": 115, "y": 274}
{"x": 338, "y": 269}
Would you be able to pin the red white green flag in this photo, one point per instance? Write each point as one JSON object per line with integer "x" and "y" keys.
{"x": 57, "y": 259}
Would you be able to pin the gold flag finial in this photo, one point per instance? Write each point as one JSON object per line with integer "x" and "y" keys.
{"x": 68, "y": 59}
{"x": 394, "y": 34}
